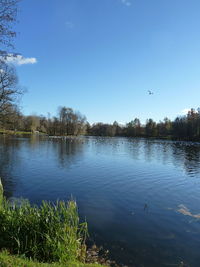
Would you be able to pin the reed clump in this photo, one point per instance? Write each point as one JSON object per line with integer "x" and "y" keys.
{"x": 46, "y": 233}
{"x": 1, "y": 193}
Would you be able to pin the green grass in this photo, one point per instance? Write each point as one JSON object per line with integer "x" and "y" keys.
{"x": 1, "y": 194}
{"x": 7, "y": 260}
{"x": 11, "y": 132}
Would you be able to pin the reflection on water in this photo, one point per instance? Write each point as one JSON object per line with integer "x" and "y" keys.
{"x": 8, "y": 159}
{"x": 128, "y": 189}
{"x": 185, "y": 211}
{"x": 67, "y": 151}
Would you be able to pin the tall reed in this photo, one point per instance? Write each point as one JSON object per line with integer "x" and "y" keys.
{"x": 1, "y": 193}
{"x": 48, "y": 233}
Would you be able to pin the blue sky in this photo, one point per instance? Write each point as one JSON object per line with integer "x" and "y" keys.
{"x": 102, "y": 56}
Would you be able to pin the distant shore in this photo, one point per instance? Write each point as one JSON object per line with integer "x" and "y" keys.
{"x": 23, "y": 133}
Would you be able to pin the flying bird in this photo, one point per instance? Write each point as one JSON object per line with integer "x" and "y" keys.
{"x": 150, "y": 92}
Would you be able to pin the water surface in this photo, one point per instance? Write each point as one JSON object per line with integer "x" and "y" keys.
{"x": 140, "y": 197}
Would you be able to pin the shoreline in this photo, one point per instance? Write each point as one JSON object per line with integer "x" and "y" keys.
{"x": 166, "y": 138}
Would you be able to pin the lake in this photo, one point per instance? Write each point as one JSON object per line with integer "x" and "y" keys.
{"x": 140, "y": 197}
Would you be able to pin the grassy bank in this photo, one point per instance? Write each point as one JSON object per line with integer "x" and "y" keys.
{"x": 7, "y": 260}
{"x": 50, "y": 233}
{"x": 10, "y": 132}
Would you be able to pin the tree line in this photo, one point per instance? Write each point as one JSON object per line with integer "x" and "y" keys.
{"x": 185, "y": 127}
{"x": 70, "y": 122}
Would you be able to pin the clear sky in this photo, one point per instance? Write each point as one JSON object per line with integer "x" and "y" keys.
{"x": 102, "y": 56}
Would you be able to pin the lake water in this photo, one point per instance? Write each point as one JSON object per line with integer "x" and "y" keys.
{"x": 140, "y": 197}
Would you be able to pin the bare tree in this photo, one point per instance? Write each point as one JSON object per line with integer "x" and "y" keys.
{"x": 71, "y": 122}
{"x": 9, "y": 89}
{"x": 8, "y": 14}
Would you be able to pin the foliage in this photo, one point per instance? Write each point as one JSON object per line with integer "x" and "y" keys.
{"x": 1, "y": 194}
{"x": 182, "y": 128}
{"x": 68, "y": 122}
{"x": 49, "y": 233}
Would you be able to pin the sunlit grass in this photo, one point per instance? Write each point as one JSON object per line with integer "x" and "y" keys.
{"x": 7, "y": 260}
{"x": 11, "y": 132}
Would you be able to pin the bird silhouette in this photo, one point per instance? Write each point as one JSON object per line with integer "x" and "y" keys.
{"x": 150, "y": 92}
